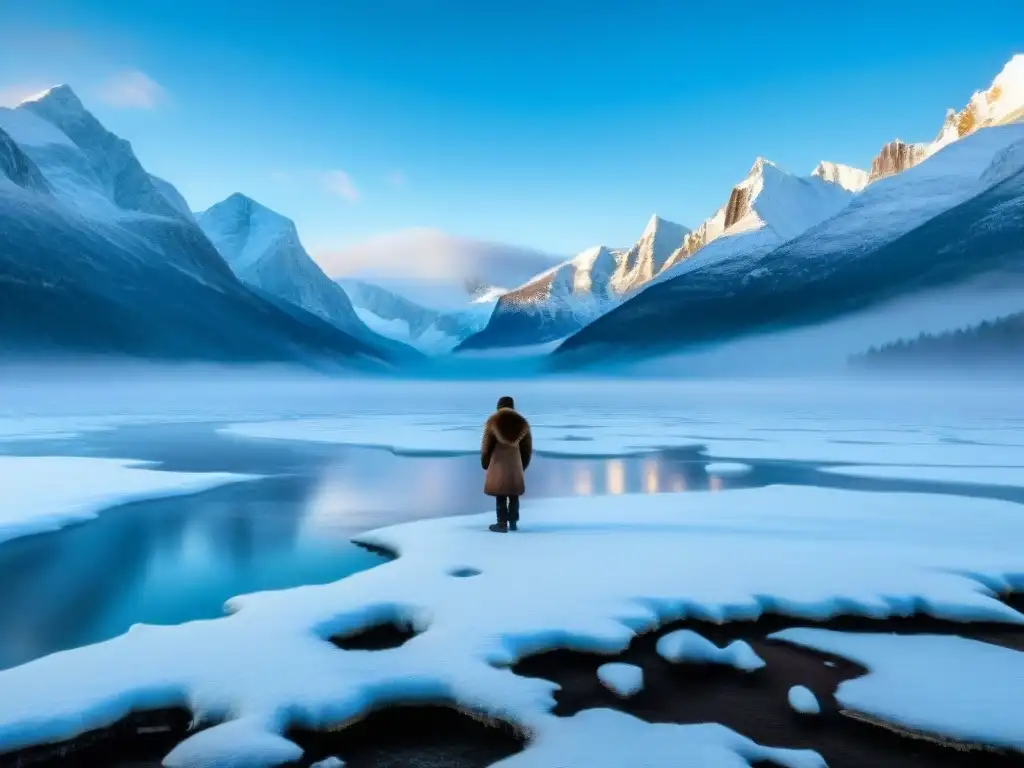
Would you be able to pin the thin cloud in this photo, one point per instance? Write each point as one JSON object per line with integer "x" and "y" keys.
{"x": 132, "y": 89}
{"x": 13, "y": 95}
{"x": 340, "y": 183}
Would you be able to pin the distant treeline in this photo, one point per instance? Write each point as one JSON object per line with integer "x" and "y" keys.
{"x": 992, "y": 343}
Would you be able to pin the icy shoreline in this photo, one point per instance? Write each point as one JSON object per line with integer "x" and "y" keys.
{"x": 46, "y": 493}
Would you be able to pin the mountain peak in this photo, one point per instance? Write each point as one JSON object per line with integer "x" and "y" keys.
{"x": 759, "y": 166}
{"x": 59, "y": 96}
{"x": 656, "y": 225}
{"x": 848, "y": 177}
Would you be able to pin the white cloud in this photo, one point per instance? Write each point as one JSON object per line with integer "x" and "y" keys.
{"x": 340, "y": 183}
{"x": 13, "y": 95}
{"x": 132, "y": 89}
{"x": 428, "y": 253}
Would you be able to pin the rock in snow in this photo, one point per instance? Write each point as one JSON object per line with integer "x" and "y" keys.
{"x": 622, "y": 679}
{"x": 803, "y": 700}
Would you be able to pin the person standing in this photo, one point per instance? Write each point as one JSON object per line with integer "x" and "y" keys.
{"x": 505, "y": 452}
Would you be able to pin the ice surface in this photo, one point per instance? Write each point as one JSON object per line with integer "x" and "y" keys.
{"x": 727, "y": 469}
{"x": 688, "y": 646}
{"x": 809, "y": 552}
{"x": 609, "y": 739}
{"x": 432, "y": 434}
{"x": 622, "y": 679}
{"x": 803, "y": 700}
{"x": 1009, "y": 476}
{"x": 940, "y": 685}
{"x": 46, "y": 493}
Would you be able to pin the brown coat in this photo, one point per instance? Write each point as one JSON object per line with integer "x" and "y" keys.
{"x": 505, "y": 452}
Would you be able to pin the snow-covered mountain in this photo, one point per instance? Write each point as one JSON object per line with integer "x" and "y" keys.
{"x": 429, "y": 289}
{"x": 263, "y": 249}
{"x": 429, "y": 330}
{"x": 564, "y": 298}
{"x": 1001, "y": 103}
{"x": 764, "y": 210}
{"x": 951, "y": 219}
{"x": 101, "y": 257}
{"x": 852, "y": 179}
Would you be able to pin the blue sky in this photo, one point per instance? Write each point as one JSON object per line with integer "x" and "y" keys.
{"x": 556, "y": 125}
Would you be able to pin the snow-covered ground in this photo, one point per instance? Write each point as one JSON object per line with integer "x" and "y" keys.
{"x": 625, "y": 564}
{"x": 46, "y": 493}
{"x": 945, "y": 687}
{"x": 808, "y": 552}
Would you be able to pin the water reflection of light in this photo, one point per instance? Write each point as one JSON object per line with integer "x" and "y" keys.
{"x": 336, "y": 505}
{"x": 615, "y": 477}
{"x": 651, "y": 479}
{"x": 715, "y": 484}
{"x": 582, "y": 480}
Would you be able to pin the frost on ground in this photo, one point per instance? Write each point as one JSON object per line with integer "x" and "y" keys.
{"x": 948, "y": 687}
{"x": 625, "y": 564}
{"x": 803, "y": 700}
{"x": 46, "y": 493}
{"x": 622, "y": 679}
{"x": 688, "y": 646}
{"x": 728, "y": 469}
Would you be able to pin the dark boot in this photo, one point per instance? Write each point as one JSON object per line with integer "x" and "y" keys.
{"x": 502, "y": 508}
{"x": 513, "y": 513}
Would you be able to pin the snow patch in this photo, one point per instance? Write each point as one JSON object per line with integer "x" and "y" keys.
{"x": 803, "y": 700}
{"x": 622, "y": 679}
{"x": 940, "y": 685}
{"x": 47, "y": 493}
{"x": 688, "y": 646}
{"x": 604, "y": 737}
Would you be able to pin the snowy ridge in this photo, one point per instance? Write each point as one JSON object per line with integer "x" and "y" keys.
{"x": 431, "y": 331}
{"x": 263, "y": 249}
{"x": 102, "y": 166}
{"x": 728, "y": 295}
{"x": 1001, "y": 103}
{"x": 769, "y": 198}
{"x": 100, "y": 257}
{"x": 563, "y": 299}
{"x": 849, "y": 178}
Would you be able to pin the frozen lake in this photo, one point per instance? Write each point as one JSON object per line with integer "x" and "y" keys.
{"x": 170, "y": 560}
{"x": 155, "y": 502}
